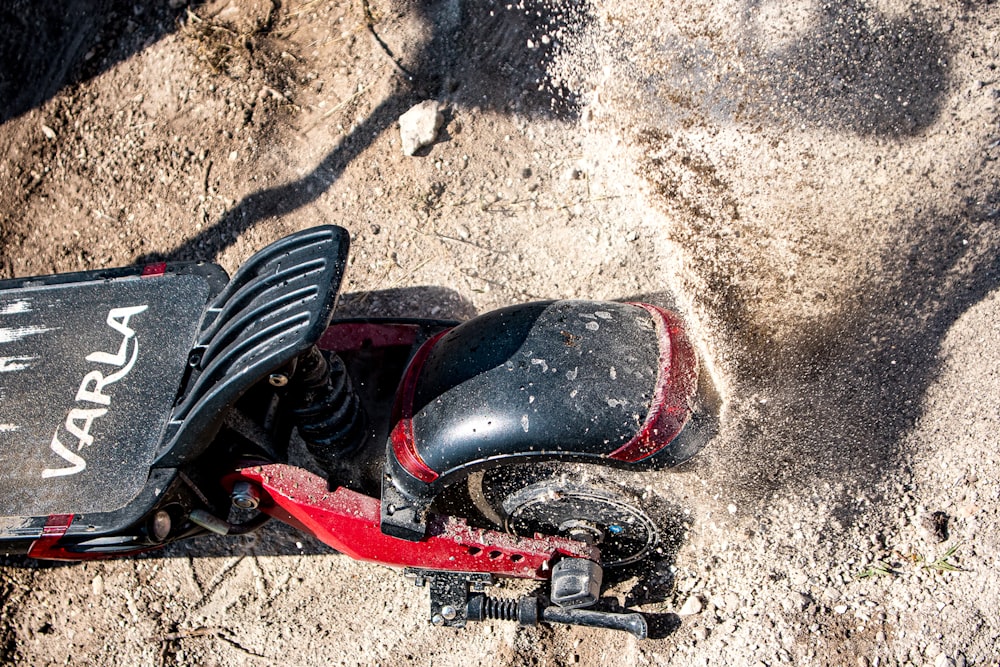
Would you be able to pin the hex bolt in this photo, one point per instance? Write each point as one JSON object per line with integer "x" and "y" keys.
{"x": 449, "y": 612}
{"x": 245, "y": 496}
{"x": 278, "y": 379}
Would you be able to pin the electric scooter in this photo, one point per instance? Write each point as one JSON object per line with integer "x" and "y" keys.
{"x": 141, "y": 406}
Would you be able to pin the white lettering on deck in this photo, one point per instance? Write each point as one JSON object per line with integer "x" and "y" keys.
{"x": 91, "y": 393}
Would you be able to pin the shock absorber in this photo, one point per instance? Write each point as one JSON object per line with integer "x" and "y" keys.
{"x": 325, "y": 408}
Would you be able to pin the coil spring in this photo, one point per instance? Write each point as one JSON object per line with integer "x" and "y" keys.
{"x": 326, "y": 409}
{"x": 499, "y": 609}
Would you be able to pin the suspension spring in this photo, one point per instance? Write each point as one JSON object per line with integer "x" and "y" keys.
{"x": 325, "y": 407}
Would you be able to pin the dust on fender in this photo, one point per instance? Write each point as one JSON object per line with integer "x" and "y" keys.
{"x": 92, "y": 399}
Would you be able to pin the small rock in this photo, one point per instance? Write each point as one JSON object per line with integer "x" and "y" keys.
{"x": 728, "y": 628}
{"x": 701, "y": 634}
{"x": 967, "y": 510}
{"x": 799, "y": 601}
{"x": 419, "y": 126}
{"x": 693, "y": 605}
{"x": 463, "y": 232}
{"x": 841, "y": 609}
{"x": 831, "y": 594}
{"x": 935, "y": 526}
{"x": 97, "y": 585}
{"x": 943, "y": 661}
{"x": 48, "y": 132}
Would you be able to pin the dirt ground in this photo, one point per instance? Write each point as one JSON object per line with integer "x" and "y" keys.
{"x": 815, "y": 186}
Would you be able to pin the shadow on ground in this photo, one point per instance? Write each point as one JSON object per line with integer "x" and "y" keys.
{"x": 847, "y": 67}
{"x": 474, "y": 57}
{"x": 855, "y": 70}
{"x": 48, "y": 46}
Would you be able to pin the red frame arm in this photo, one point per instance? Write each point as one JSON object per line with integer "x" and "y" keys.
{"x": 349, "y": 522}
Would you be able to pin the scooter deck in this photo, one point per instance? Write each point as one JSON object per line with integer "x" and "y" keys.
{"x": 89, "y": 371}
{"x": 112, "y": 381}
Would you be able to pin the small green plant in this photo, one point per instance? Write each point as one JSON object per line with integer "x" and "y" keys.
{"x": 944, "y": 564}
{"x": 878, "y": 569}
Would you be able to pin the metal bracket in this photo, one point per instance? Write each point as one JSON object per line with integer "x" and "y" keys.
{"x": 449, "y": 592}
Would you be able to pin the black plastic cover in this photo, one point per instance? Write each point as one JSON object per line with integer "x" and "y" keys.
{"x": 275, "y": 308}
{"x": 552, "y": 378}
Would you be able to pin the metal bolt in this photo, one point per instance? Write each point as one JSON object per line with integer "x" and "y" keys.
{"x": 161, "y": 525}
{"x": 245, "y": 496}
{"x": 278, "y": 379}
{"x": 582, "y": 531}
{"x": 449, "y": 612}
{"x": 437, "y": 619}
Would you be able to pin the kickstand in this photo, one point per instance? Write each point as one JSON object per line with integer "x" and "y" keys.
{"x": 459, "y": 597}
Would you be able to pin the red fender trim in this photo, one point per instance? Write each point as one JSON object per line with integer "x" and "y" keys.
{"x": 403, "y": 443}
{"x": 676, "y": 384}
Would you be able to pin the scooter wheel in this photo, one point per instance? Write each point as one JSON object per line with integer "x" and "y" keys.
{"x": 575, "y": 501}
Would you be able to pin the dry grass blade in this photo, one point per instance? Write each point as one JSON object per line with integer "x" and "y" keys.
{"x": 944, "y": 564}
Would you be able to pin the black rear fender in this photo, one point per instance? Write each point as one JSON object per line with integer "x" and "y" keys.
{"x": 603, "y": 382}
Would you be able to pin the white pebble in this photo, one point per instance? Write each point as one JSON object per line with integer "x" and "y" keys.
{"x": 419, "y": 126}
{"x": 693, "y": 605}
{"x": 943, "y": 661}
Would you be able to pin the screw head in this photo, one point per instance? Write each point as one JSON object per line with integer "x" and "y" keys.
{"x": 437, "y": 619}
{"x": 449, "y": 612}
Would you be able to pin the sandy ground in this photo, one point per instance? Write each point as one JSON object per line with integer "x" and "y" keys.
{"x": 814, "y": 185}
